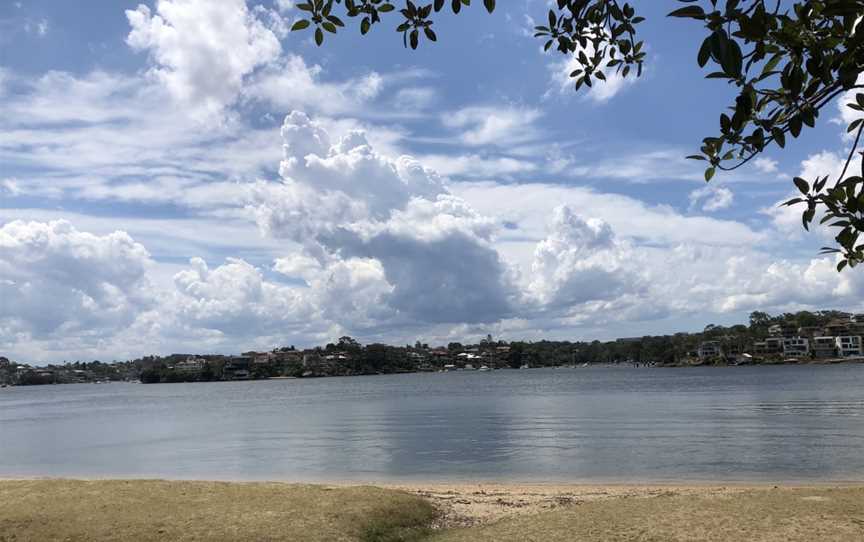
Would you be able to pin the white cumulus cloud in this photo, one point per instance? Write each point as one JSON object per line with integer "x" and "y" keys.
{"x": 203, "y": 50}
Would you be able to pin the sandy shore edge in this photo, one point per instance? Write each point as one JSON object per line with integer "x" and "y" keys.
{"x": 471, "y": 504}
{"x": 467, "y": 504}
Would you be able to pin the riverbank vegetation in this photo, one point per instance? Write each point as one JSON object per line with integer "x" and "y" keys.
{"x": 729, "y": 345}
{"x": 48, "y": 510}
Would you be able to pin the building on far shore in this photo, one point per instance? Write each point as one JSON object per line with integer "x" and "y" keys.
{"x": 771, "y": 345}
{"x": 709, "y": 350}
{"x": 237, "y": 368}
{"x": 796, "y": 347}
{"x": 849, "y": 346}
{"x": 824, "y": 347}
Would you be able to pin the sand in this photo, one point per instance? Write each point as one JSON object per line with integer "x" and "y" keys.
{"x": 172, "y": 510}
{"x": 467, "y": 505}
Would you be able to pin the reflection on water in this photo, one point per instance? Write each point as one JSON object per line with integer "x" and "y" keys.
{"x": 591, "y": 424}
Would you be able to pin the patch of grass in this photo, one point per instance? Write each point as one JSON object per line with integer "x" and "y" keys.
{"x": 805, "y": 514}
{"x": 49, "y": 510}
{"x": 409, "y": 524}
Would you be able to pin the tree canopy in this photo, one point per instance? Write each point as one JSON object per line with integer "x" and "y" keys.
{"x": 787, "y": 60}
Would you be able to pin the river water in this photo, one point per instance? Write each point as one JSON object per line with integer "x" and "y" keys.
{"x": 598, "y": 424}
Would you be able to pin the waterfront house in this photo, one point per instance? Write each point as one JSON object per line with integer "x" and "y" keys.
{"x": 848, "y": 346}
{"x": 314, "y": 364}
{"x": 192, "y": 366}
{"x": 824, "y": 347}
{"x": 796, "y": 347}
{"x": 771, "y": 345}
{"x": 709, "y": 350}
{"x": 237, "y": 368}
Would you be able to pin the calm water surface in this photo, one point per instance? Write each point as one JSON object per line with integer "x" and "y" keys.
{"x": 594, "y": 424}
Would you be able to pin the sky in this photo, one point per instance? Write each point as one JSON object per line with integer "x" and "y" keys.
{"x": 189, "y": 176}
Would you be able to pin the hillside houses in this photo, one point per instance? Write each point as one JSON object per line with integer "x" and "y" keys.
{"x": 839, "y": 337}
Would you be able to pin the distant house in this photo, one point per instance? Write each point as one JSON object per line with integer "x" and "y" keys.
{"x": 237, "y": 368}
{"x": 796, "y": 347}
{"x": 771, "y": 345}
{"x": 785, "y": 330}
{"x": 824, "y": 347}
{"x": 315, "y": 364}
{"x": 837, "y": 328}
{"x": 849, "y": 346}
{"x": 809, "y": 332}
{"x": 710, "y": 350}
{"x": 192, "y": 366}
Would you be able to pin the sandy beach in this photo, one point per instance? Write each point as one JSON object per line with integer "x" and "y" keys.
{"x": 473, "y": 504}
{"x": 183, "y": 510}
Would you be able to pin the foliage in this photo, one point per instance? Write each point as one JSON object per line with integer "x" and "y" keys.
{"x": 786, "y": 65}
{"x": 786, "y": 61}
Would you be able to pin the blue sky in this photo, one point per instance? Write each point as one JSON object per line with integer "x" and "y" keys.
{"x": 185, "y": 175}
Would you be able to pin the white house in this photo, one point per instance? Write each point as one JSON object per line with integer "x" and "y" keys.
{"x": 849, "y": 345}
{"x": 796, "y": 346}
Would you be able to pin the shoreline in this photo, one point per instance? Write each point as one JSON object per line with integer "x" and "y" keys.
{"x": 438, "y": 483}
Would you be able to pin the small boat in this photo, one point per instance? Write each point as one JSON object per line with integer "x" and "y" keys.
{"x": 483, "y": 368}
{"x": 525, "y": 366}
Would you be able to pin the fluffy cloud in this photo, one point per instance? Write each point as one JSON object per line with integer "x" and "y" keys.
{"x": 711, "y": 198}
{"x": 493, "y": 125}
{"x": 290, "y": 82}
{"x": 56, "y": 279}
{"x": 765, "y": 164}
{"x": 344, "y": 200}
{"x": 529, "y": 205}
{"x": 579, "y": 261}
{"x": 235, "y": 299}
{"x": 203, "y": 50}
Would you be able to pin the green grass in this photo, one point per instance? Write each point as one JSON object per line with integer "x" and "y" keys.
{"x": 49, "y": 510}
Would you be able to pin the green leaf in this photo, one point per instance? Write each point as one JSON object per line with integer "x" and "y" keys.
{"x": 803, "y": 186}
{"x": 779, "y": 137}
{"x": 693, "y": 12}
{"x": 490, "y": 5}
{"x": 709, "y": 173}
{"x": 319, "y": 36}
{"x": 795, "y": 125}
{"x": 704, "y": 53}
{"x": 300, "y": 25}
